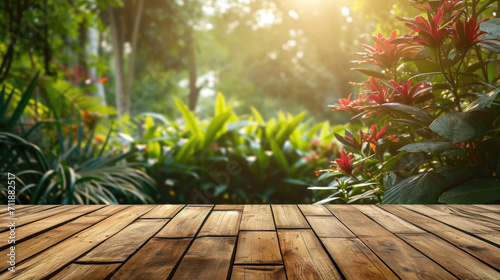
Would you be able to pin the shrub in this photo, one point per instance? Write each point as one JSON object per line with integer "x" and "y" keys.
{"x": 232, "y": 158}
{"x": 430, "y": 112}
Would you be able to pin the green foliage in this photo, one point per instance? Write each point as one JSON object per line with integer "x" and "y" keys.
{"x": 435, "y": 92}
{"x": 75, "y": 170}
{"x": 231, "y": 158}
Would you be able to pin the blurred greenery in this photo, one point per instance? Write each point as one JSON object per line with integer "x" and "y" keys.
{"x": 141, "y": 78}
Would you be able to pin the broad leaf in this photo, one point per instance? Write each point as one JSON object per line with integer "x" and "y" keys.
{"x": 372, "y": 73}
{"x": 215, "y": 126}
{"x": 472, "y": 192}
{"x": 428, "y": 147}
{"x": 483, "y": 101}
{"x": 463, "y": 126}
{"x": 279, "y": 156}
{"x": 418, "y": 189}
{"x": 406, "y": 110}
{"x": 191, "y": 122}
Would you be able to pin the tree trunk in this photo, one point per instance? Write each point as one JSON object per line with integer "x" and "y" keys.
{"x": 122, "y": 102}
{"x": 194, "y": 91}
{"x": 133, "y": 43}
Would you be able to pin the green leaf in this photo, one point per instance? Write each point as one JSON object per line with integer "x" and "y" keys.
{"x": 257, "y": 115}
{"x": 215, "y": 126}
{"x": 279, "y": 156}
{"x": 372, "y": 73}
{"x": 25, "y": 98}
{"x": 483, "y": 101}
{"x": 191, "y": 122}
{"x": 428, "y": 147}
{"x": 418, "y": 189}
{"x": 473, "y": 192}
{"x": 285, "y": 132}
{"x": 406, "y": 110}
{"x": 220, "y": 105}
{"x": 463, "y": 126}
{"x": 186, "y": 150}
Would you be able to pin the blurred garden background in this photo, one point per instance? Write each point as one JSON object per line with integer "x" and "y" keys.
{"x": 226, "y": 101}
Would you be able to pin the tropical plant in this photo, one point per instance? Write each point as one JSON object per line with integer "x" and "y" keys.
{"x": 75, "y": 170}
{"x": 232, "y": 158}
{"x": 432, "y": 108}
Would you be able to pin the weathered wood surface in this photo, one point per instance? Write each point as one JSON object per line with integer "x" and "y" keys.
{"x": 255, "y": 242}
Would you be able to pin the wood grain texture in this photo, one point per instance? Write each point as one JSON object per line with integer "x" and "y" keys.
{"x": 85, "y": 271}
{"x": 289, "y": 216}
{"x": 199, "y": 242}
{"x": 304, "y": 257}
{"x": 258, "y": 272}
{"x": 222, "y": 223}
{"x": 155, "y": 261}
{"x": 35, "y": 245}
{"x": 258, "y": 247}
{"x": 329, "y": 226}
{"x": 314, "y": 210}
{"x": 208, "y": 258}
{"x": 68, "y": 250}
{"x": 257, "y": 217}
{"x": 186, "y": 223}
{"x": 222, "y": 207}
{"x": 123, "y": 244}
{"x": 38, "y": 215}
{"x": 404, "y": 260}
{"x": 355, "y": 260}
{"x": 474, "y": 246}
{"x": 389, "y": 221}
{"x": 49, "y": 222}
{"x": 455, "y": 219}
{"x": 163, "y": 211}
{"x": 450, "y": 257}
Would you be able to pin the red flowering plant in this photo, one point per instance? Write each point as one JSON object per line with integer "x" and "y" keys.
{"x": 430, "y": 111}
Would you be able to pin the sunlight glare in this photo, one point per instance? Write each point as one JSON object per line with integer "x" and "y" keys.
{"x": 293, "y": 14}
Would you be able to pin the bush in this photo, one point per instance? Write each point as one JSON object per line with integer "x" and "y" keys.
{"x": 430, "y": 110}
{"x": 231, "y": 158}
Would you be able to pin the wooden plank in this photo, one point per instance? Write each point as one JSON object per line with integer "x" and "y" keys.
{"x": 25, "y": 210}
{"x": 289, "y": 216}
{"x": 304, "y": 257}
{"x": 491, "y": 207}
{"x": 469, "y": 214}
{"x": 258, "y": 247}
{"x": 58, "y": 256}
{"x": 163, "y": 211}
{"x": 493, "y": 237}
{"x": 355, "y": 260}
{"x": 257, "y": 217}
{"x": 258, "y": 272}
{"x": 35, "y": 216}
{"x": 33, "y": 246}
{"x": 475, "y": 210}
{"x": 450, "y": 257}
{"x": 52, "y": 221}
{"x": 357, "y": 222}
{"x": 208, "y": 258}
{"x": 123, "y": 244}
{"x": 186, "y": 223}
{"x": 235, "y": 207}
{"x": 463, "y": 223}
{"x": 314, "y": 210}
{"x": 474, "y": 246}
{"x": 403, "y": 259}
{"x": 389, "y": 221}
{"x": 155, "y": 261}
{"x": 86, "y": 271}
{"x": 329, "y": 226}
{"x": 222, "y": 223}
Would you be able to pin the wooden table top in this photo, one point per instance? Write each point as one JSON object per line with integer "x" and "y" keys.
{"x": 254, "y": 242}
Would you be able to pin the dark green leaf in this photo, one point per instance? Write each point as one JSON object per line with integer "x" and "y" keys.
{"x": 418, "y": 189}
{"x": 483, "y": 101}
{"x": 463, "y": 126}
{"x": 428, "y": 147}
{"x": 473, "y": 192}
